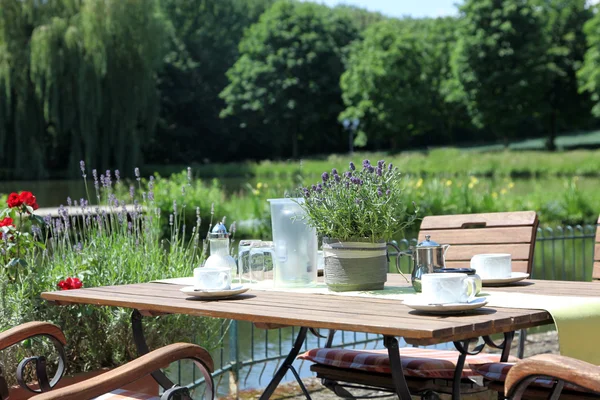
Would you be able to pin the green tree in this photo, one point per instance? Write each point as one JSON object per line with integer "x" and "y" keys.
{"x": 499, "y": 63}
{"x": 77, "y": 81}
{"x": 203, "y": 45}
{"x": 589, "y": 74}
{"x": 565, "y": 106}
{"x": 395, "y": 80}
{"x": 284, "y": 88}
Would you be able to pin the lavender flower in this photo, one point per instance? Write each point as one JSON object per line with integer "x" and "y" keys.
{"x": 347, "y": 184}
{"x": 348, "y": 174}
{"x": 171, "y": 219}
{"x": 175, "y": 207}
{"x": 118, "y": 176}
{"x": 380, "y": 163}
{"x": 183, "y": 190}
{"x": 357, "y": 201}
{"x": 325, "y": 177}
{"x": 107, "y": 179}
{"x": 95, "y": 175}
{"x": 189, "y": 176}
{"x": 82, "y": 167}
{"x": 136, "y": 171}
{"x": 131, "y": 192}
{"x": 36, "y": 231}
{"x": 379, "y": 192}
{"x": 306, "y": 192}
{"x": 319, "y": 188}
{"x": 366, "y": 163}
{"x": 78, "y": 247}
{"x": 48, "y": 220}
{"x": 103, "y": 181}
{"x": 389, "y": 166}
{"x": 379, "y": 171}
{"x": 337, "y": 177}
{"x": 352, "y": 167}
{"x": 334, "y": 171}
{"x": 371, "y": 169}
{"x": 388, "y": 192}
{"x": 314, "y": 188}
{"x": 69, "y": 201}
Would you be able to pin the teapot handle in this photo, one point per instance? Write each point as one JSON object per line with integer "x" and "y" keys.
{"x": 446, "y": 247}
{"x": 398, "y": 255}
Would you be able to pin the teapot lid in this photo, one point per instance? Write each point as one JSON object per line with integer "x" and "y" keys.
{"x": 428, "y": 242}
{"x": 219, "y": 231}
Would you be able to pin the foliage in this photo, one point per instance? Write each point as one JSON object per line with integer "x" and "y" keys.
{"x": 563, "y": 23}
{"x": 284, "y": 87}
{"x": 589, "y": 78}
{"x": 499, "y": 63}
{"x": 203, "y": 44}
{"x": 394, "y": 82}
{"x": 364, "y": 204}
{"x": 77, "y": 78}
{"x": 89, "y": 246}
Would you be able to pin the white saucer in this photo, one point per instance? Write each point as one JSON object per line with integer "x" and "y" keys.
{"x": 418, "y": 304}
{"x": 214, "y": 294}
{"x": 514, "y": 277}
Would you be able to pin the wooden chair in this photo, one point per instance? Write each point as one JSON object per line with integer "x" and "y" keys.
{"x": 596, "y": 270}
{"x": 104, "y": 384}
{"x": 468, "y": 234}
{"x": 552, "y": 376}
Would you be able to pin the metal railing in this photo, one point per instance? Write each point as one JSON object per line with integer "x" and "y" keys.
{"x": 249, "y": 356}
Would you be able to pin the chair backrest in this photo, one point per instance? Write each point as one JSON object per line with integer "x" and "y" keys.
{"x": 596, "y": 270}
{"x": 470, "y": 234}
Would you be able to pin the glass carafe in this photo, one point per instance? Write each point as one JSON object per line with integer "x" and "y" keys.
{"x": 295, "y": 245}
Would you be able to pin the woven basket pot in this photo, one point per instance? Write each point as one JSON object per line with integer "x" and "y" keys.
{"x": 356, "y": 265}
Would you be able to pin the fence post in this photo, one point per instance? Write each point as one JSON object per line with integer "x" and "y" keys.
{"x": 234, "y": 372}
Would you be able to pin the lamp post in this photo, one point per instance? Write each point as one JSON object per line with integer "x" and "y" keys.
{"x": 351, "y": 125}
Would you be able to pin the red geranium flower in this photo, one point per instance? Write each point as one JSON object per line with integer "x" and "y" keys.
{"x": 6, "y": 222}
{"x": 14, "y": 200}
{"x": 29, "y": 199}
{"x": 70, "y": 283}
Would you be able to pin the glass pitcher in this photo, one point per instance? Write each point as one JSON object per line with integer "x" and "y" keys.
{"x": 295, "y": 245}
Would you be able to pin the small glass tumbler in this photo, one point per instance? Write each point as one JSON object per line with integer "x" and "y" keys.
{"x": 260, "y": 261}
{"x": 244, "y": 247}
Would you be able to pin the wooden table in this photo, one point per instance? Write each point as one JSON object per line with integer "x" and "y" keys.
{"x": 373, "y": 315}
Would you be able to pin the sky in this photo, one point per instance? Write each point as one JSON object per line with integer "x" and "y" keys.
{"x": 401, "y": 8}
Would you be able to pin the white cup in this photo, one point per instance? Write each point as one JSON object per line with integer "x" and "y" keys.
{"x": 448, "y": 288}
{"x": 212, "y": 278}
{"x": 492, "y": 266}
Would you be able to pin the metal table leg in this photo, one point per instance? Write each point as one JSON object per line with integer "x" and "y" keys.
{"x": 463, "y": 349}
{"x": 287, "y": 365}
{"x": 391, "y": 343}
{"x": 171, "y": 389}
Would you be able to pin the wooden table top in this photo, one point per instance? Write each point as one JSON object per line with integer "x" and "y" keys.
{"x": 372, "y": 315}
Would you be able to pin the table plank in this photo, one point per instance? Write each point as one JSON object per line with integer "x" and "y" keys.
{"x": 371, "y": 315}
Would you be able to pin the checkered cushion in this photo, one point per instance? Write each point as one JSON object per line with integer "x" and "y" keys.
{"x": 416, "y": 362}
{"x": 497, "y": 371}
{"x": 121, "y": 394}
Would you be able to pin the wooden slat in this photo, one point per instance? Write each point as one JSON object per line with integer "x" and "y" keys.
{"x": 372, "y": 315}
{"x": 479, "y": 236}
{"x": 517, "y": 266}
{"x": 465, "y": 252}
{"x": 518, "y": 218}
{"x": 597, "y": 252}
{"x": 596, "y": 270}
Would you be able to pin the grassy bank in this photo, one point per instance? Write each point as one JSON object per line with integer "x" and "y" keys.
{"x": 447, "y": 162}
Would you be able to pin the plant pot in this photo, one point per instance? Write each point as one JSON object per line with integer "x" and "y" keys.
{"x": 355, "y": 265}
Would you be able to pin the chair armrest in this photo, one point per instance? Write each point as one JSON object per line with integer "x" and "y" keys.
{"x": 28, "y": 330}
{"x": 562, "y": 368}
{"x": 132, "y": 371}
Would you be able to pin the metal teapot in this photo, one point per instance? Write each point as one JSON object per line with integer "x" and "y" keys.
{"x": 428, "y": 256}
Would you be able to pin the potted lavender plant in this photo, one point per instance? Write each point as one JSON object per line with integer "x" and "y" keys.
{"x": 357, "y": 213}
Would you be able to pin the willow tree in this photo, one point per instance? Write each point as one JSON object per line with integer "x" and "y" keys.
{"x": 77, "y": 81}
